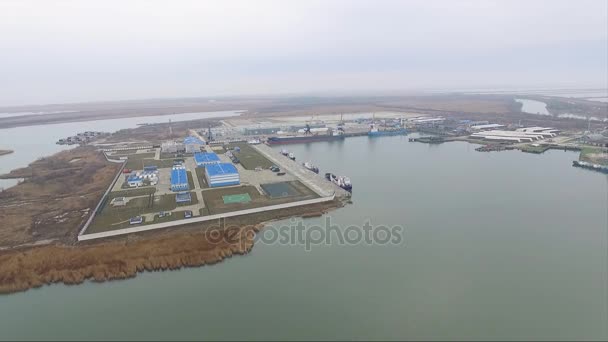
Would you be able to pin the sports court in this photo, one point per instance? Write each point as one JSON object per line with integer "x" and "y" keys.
{"x": 238, "y": 198}
{"x": 280, "y": 190}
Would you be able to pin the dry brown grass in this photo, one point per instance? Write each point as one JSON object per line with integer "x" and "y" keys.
{"x": 55, "y": 197}
{"x": 123, "y": 257}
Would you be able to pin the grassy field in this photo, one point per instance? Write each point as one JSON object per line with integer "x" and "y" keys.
{"x": 112, "y": 218}
{"x": 218, "y": 149}
{"x": 193, "y": 202}
{"x": 215, "y": 202}
{"x": 176, "y": 155}
{"x": 190, "y": 180}
{"x": 593, "y": 154}
{"x": 534, "y": 149}
{"x": 250, "y": 158}
{"x": 118, "y": 217}
{"x": 161, "y": 164}
{"x": 200, "y": 174}
{"x": 124, "y": 152}
{"x": 136, "y": 161}
{"x": 132, "y": 192}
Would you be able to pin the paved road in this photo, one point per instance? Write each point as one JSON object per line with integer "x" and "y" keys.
{"x": 136, "y": 229}
{"x": 191, "y": 166}
{"x": 315, "y": 182}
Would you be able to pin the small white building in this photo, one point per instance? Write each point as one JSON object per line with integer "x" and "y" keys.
{"x": 172, "y": 147}
{"x": 134, "y": 180}
{"x": 118, "y": 202}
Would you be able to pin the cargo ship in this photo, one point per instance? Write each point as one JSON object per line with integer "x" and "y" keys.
{"x": 326, "y": 134}
{"x": 375, "y": 132}
{"x": 343, "y": 182}
{"x": 311, "y": 167}
{"x": 589, "y": 166}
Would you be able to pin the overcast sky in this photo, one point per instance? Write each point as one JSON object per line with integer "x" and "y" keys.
{"x": 67, "y": 51}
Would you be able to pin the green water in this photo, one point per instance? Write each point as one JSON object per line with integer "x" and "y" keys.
{"x": 502, "y": 245}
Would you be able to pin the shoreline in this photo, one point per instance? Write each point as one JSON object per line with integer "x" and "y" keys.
{"x": 42, "y": 217}
{"x": 24, "y": 268}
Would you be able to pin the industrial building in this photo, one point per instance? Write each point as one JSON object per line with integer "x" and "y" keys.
{"x": 221, "y": 174}
{"x": 135, "y": 180}
{"x": 546, "y": 131}
{"x": 179, "y": 178}
{"x": 118, "y": 202}
{"x": 183, "y": 197}
{"x": 261, "y": 130}
{"x": 511, "y": 136}
{"x": 193, "y": 144}
{"x": 596, "y": 139}
{"x": 204, "y": 158}
{"x": 296, "y": 128}
{"x": 172, "y": 147}
{"x": 486, "y": 127}
{"x": 426, "y": 121}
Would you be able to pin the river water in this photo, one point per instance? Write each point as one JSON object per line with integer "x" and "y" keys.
{"x": 533, "y": 107}
{"x": 501, "y": 245}
{"x": 32, "y": 142}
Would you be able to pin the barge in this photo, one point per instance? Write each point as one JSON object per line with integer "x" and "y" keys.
{"x": 590, "y": 166}
{"x": 306, "y": 137}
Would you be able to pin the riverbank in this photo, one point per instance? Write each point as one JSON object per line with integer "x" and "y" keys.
{"x": 3, "y": 152}
{"x": 595, "y": 155}
{"x": 56, "y": 195}
{"x": 121, "y": 258}
{"x": 42, "y": 215}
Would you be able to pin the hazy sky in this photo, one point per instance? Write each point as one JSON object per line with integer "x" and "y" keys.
{"x": 65, "y": 51}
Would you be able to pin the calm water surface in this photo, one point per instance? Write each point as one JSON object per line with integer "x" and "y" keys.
{"x": 502, "y": 245}
{"x": 533, "y": 107}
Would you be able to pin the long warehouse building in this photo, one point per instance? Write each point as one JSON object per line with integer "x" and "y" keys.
{"x": 222, "y": 174}
{"x": 179, "y": 179}
{"x": 513, "y": 136}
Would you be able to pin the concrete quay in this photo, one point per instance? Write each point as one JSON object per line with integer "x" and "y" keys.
{"x": 315, "y": 182}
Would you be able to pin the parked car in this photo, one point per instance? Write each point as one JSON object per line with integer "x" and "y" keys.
{"x": 188, "y": 214}
{"x": 136, "y": 220}
{"x": 163, "y": 214}
{"x": 274, "y": 168}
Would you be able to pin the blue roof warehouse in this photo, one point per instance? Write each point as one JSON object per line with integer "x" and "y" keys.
{"x": 221, "y": 174}
{"x": 193, "y": 144}
{"x": 203, "y": 158}
{"x": 179, "y": 178}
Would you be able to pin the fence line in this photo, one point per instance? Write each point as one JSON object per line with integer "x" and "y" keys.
{"x": 101, "y": 201}
{"x": 128, "y": 148}
{"x": 137, "y": 229}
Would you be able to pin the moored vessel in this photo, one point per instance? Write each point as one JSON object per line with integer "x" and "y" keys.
{"x": 306, "y": 137}
{"x": 590, "y": 166}
{"x": 311, "y": 167}
{"x": 343, "y": 182}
